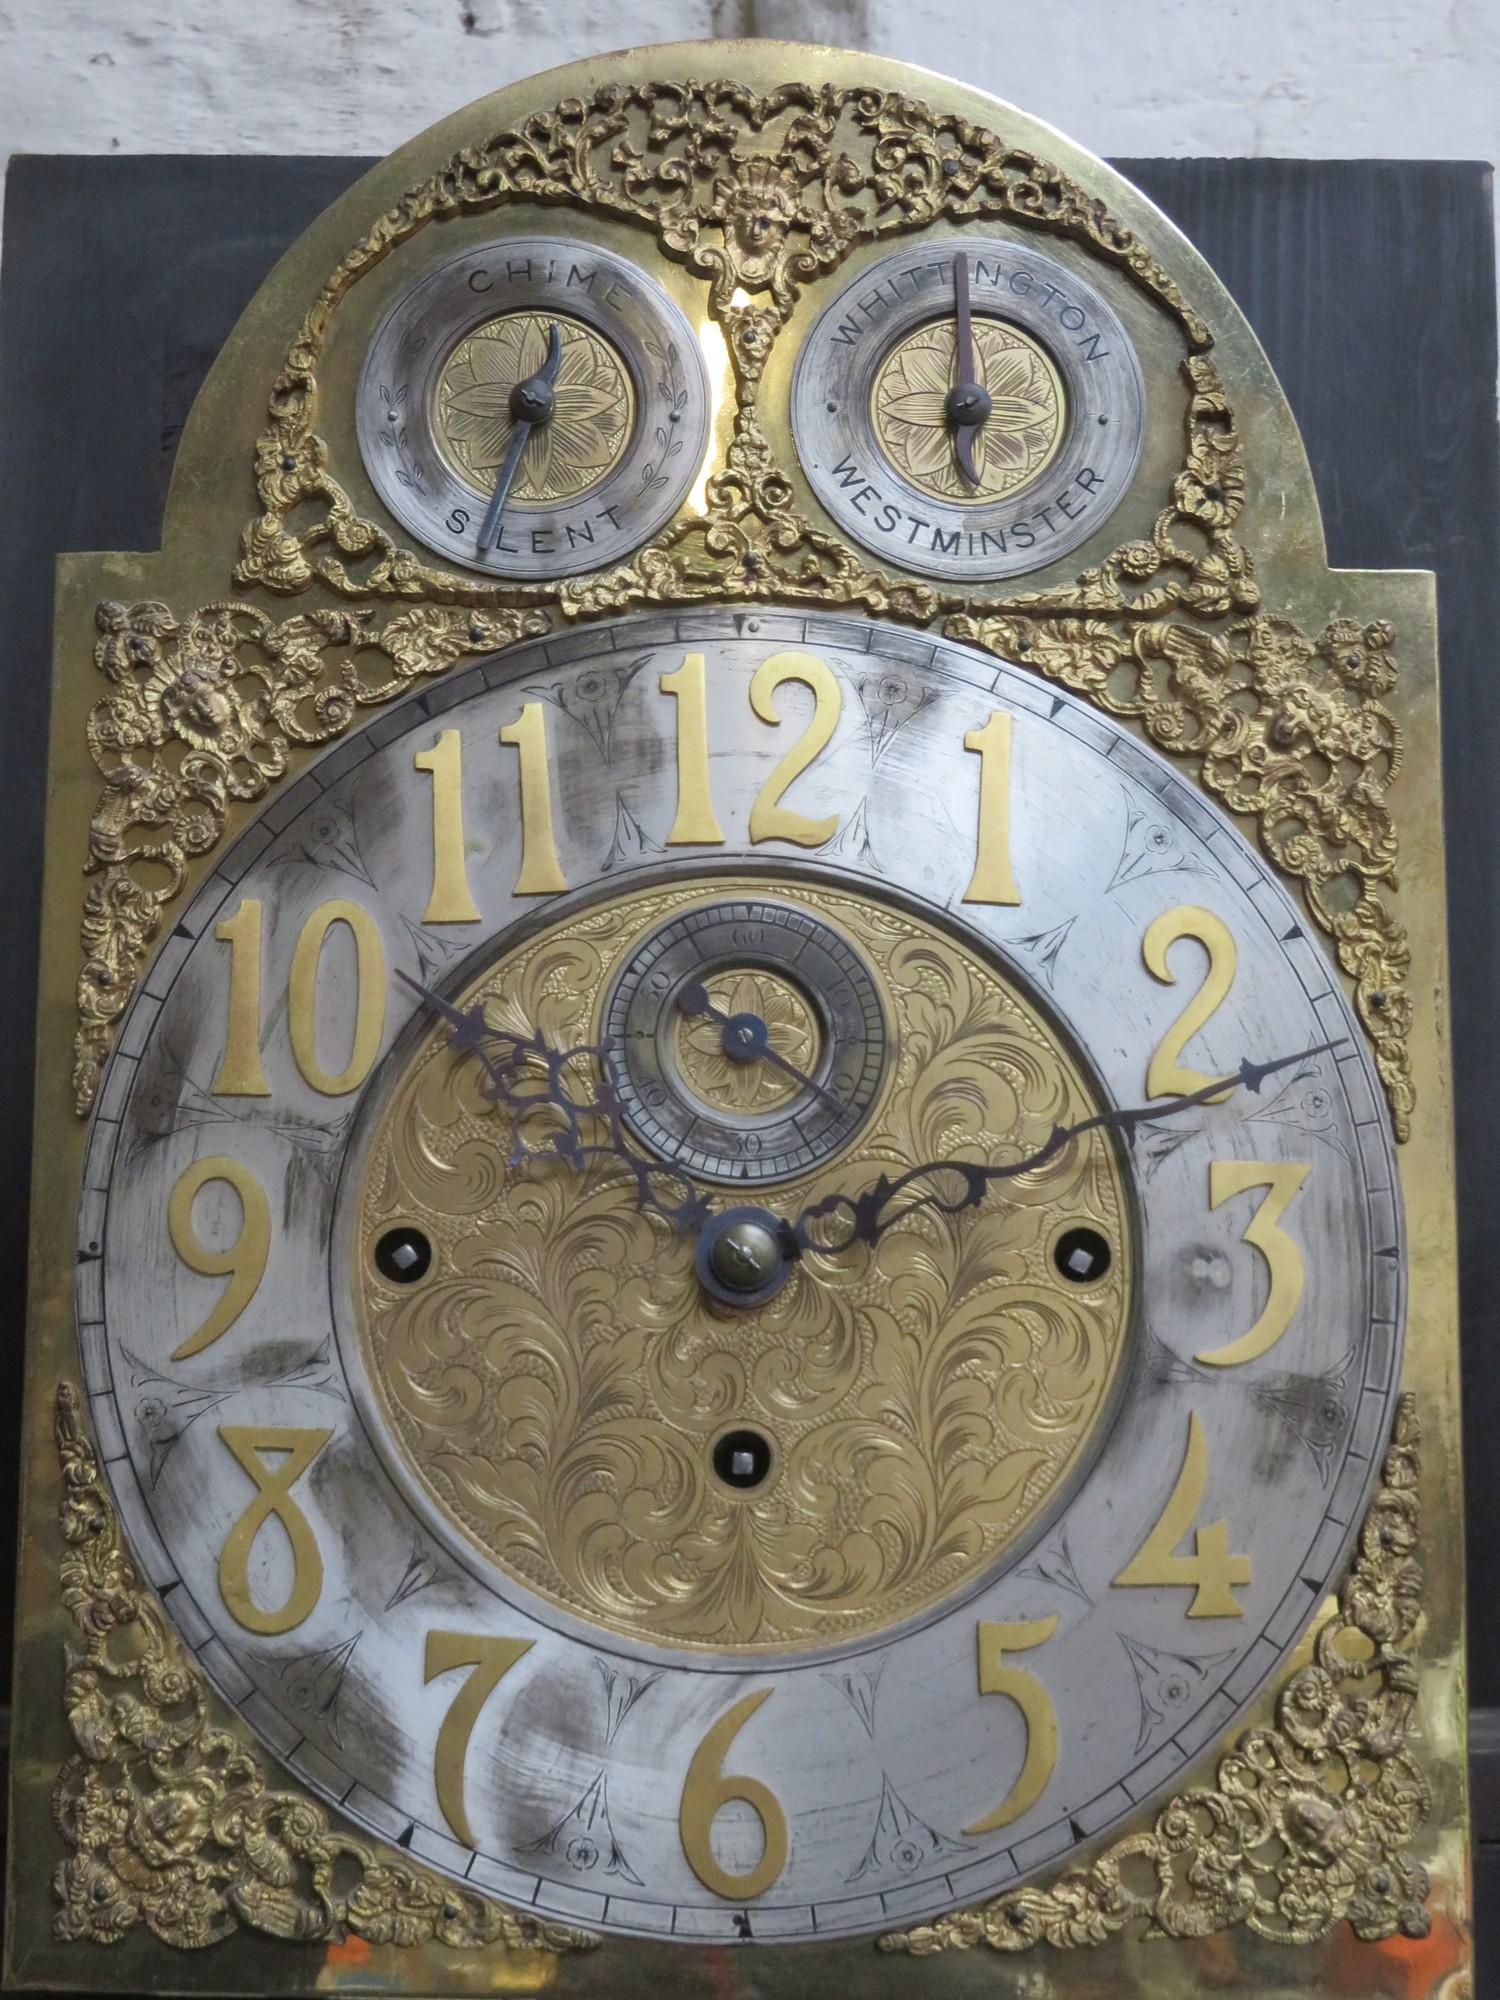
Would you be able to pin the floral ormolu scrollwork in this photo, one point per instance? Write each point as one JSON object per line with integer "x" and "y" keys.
{"x": 207, "y": 710}
{"x": 171, "y": 1821}
{"x": 757, "y": 192}
{"x": 1290, "y": 733}
{"x": 1307, "y": 1822}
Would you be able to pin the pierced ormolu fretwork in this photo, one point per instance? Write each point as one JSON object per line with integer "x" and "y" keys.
{"x": 170, "y": 1819}
{"x": 1307, "y": 1823}
{"x": 757, "y": 192}
{"x": 760, "y": 193}
{"x": 206, "y": 711}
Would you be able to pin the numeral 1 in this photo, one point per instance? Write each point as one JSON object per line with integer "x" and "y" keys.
{"x": 541, "y": 871}
{"x": 696, "y": 824}
{"x": 1211, "y": 1571}
{"x": 993, "y": 880}
{"x": 450, "y": 901}
{"x": 490, "y": 1660}
{"x": 240, "y": 1073}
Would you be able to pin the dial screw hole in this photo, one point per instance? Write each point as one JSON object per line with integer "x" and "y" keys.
{"x": 742, "y": 1459}
{"x": 1081, "y": 1255}
{"x": 403, "y": 1255}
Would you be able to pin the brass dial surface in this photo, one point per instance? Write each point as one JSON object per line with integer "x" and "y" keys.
{"x": 1017, "y": 441}
{"x": 588, "y": 432}
{"x": 745, "y": 1088}
{"x": 558, "y": 1381}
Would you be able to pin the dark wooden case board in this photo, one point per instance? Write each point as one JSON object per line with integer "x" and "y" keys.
{"x": 1370, "y": 283}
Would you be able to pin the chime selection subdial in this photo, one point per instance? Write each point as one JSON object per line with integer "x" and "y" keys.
{"x": 534, "y": 408}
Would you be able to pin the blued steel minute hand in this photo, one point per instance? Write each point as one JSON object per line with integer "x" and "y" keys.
{"x": 525, "y": 1073}
{"x": 880, "y": 1207}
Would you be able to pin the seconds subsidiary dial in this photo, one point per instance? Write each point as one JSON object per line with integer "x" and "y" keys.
{"x": 747, "y": 1282}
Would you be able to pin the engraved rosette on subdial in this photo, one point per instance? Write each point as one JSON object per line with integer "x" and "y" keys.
{"x": 592, "y": 462}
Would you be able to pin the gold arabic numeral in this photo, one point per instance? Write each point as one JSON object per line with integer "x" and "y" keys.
{"x": 369, "y": 1006}
{"x": 1035, "y": 1704}
{"x": 1211, "y": 1572}
{"x": 243, "y": 1262}
{"x": 490, "y": 1660}
{"x": 240, "y": 1073}
{"x": 769, "y": 818}
{"x": 273, "y": 1500}
{"x": 707, "y": 1788}
{"x": 696, "y": 824}
{"x": 1264, "y": 1233}
{"x": 993, "y": 880}
{"x": 1168, "y": 1076}
{"x": 451, "y": 901}
{"x": 541, "y": 871}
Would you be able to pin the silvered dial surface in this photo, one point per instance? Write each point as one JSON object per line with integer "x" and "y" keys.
{"x": 1051, "y": 460}
{"x": 1113, "y": 1499}
{"x": 614, "y": 459}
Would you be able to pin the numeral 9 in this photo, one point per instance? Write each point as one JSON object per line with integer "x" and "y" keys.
{"x": 243, "y": 1262}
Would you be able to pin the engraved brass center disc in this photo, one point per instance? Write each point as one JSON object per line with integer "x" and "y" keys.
{"x": 733, "y": 1087}
{"x": 591, "y": 424}
{"x": 1018, "y": 439}
{"x": 558, "y": 1379}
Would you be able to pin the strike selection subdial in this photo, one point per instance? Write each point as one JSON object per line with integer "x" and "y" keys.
{"x": 752, "y": 1040}
{"x": 533, "y": 408}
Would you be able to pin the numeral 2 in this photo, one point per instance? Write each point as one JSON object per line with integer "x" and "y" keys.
{"x": 1167, "y": 1075}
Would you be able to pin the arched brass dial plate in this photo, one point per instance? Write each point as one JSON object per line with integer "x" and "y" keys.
{"x": 1053, "y": 458}
{"x": 611, "y": 465}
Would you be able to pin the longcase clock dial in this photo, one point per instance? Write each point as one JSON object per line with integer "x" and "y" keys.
{"x": 737, "y": 1279}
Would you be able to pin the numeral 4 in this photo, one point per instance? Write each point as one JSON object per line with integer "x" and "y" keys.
{"x": 1211, "y": 1572}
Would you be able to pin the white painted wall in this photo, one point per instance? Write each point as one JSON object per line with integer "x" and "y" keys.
{"x": 1345, "y": 78}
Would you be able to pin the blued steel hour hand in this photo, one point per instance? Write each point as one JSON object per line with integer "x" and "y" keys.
{"x": 954, "y": 1185}
{"x": 532, "y": 402}
{"x": 525, "y": 1074}
{"x": 748, "y": 1039}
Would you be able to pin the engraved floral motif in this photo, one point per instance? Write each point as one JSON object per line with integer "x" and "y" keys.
{"x": 558, "y": 1385}
{"x": 1017, "y": 440}
{"x": 590, "y": 423}
{"x": 170, "y": 1820}
{"x": 1306, "y": 1823}
{"x": 741, "y": 1087}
